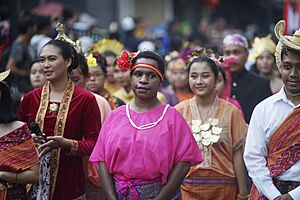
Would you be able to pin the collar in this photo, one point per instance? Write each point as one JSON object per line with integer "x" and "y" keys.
{"x": 281, "y": 96}
{"x": 240, "y": 74}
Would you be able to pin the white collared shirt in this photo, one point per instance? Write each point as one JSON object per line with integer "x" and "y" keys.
{"x": 266, "y": 117}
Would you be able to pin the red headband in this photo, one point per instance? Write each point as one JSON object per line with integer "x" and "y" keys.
{"x": 148, "y": 66}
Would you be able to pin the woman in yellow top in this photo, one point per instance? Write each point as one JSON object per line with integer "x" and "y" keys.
{"x": 219, "y": 130}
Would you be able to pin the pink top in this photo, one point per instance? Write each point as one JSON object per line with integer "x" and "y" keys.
{"x": 151, "y": 154}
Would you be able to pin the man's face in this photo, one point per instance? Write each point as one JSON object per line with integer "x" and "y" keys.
{"x": 240, "y": 52}
{"x": 290, "y": 72}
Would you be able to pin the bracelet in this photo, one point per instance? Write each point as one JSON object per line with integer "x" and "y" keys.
{"x": 242, "y": 197}
{"x": 16, "y": 177}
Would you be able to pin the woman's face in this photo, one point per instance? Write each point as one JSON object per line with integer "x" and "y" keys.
{"x": 220, "y": 85}
{"x": 110, "y": 69}
{"x": 122, "y": 77}
{"x": 97, "y": 79}
{"x": 37, "y": 77}
{"x": 54, "y": 65}
{"x": 265, "y": 63}
{"x": 202, "y": 79}
{"x": 145, "y": 82}
{"x": 180, "y": 78}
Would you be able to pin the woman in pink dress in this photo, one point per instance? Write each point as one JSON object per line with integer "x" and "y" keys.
{"x": 145, "y": 148}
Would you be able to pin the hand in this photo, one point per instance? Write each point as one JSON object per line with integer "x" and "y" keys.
{"x": 54, "y": 142}
{"x": 284, "y": 197}
{"x": 39, "y": 139}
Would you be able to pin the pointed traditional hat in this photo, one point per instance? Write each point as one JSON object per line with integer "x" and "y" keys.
{"x": 291, "y": 42}
{"x": 4, "y": 75}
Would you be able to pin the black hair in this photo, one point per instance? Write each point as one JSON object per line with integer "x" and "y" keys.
{"x": 67, "y": 52}
{"x": 213, "y": 66}
{"x": 7, "y": 114}
{"x": 101, "y": 61}
{"x": 82, "y": 65}
{"x": 25, "y": 23}
{"x": 285, "y": 51}
{"x": 223, "y": 73}
{"x": 154, "y": 56}
{"x": 109, "y": 54}
{"x": 33, "y": 62}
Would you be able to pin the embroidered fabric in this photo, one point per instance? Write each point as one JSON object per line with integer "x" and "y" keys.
{"x": 205, "y": 132}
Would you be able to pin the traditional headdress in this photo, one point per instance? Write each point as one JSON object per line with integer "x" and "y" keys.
{"x": 106, "y": 45}
{"x": 205, "y": 53}
{"x": 63, "y": 37}
{"x": 262, "y": 44}
{"x": 235, "y": 39}
{"x": 4, "y": 75}
{"x": 124, "y": 62}
{"x": 291, "y": 42}
{"x": 221, "y": 61}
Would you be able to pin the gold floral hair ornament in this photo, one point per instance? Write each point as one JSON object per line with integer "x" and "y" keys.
{"x": 91, "y": 61}
{"x": 106, "y": 45}
{"x": 63, "y": 37}
{"x": 4, "y": 75}
{"x": 261, "y": 45}
{"x": 291, "y": 42}
{"x": 205, "y": 53}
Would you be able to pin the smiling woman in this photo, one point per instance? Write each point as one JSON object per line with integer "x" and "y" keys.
{"x": 137, "y": 132}
{"x": 219, "y": 130}
{"x": 69, "y": 117}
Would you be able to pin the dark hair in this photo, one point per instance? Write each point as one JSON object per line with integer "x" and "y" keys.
{"x": 213, "y": 66}
{"x": 67, "y": 51}
{"x": 33, "y": 62}
{"x": 25, "y": 23}
{"x": 223, "y": 73}
{"x": 82, "y": 65}
{"x": 101, "y": 61}
{"x": 285, "y": 50}
{"x": 153, "y": 56}
{"x": 7, "y": 114}
{"x": 109, "y": 54}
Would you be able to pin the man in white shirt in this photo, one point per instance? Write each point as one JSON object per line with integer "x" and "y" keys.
{"x": 272, "y": 150}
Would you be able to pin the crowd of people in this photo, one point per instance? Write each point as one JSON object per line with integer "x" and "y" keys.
{"x": 212, "y": 115}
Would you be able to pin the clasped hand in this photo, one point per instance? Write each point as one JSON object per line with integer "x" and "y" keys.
{"x": 47, "y": 144}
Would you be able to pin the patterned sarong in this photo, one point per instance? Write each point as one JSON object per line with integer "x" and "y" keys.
{"x": 17, "y": 153}
{"x": 143, "y": 191}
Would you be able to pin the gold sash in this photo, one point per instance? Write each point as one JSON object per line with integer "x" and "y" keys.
{"x": 59, "y": 125}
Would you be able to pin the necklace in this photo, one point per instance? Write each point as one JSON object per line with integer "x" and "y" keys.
{"x": 205, "y": 132}
{"x": 149, "y": 125}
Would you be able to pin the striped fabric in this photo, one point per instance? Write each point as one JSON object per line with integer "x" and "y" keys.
{"x": 283, "y": 147}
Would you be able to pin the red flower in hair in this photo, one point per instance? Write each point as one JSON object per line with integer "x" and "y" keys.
{"x": 124, "y": 61}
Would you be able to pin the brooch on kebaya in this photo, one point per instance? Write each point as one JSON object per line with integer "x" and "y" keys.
{"x": 53, "y": 107}
{"x": 207, "y": 133}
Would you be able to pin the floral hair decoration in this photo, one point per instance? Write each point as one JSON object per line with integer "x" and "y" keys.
{"x": 124, "y": 62}
{"x": 221, "y": 61}
{"x": 91, "y": 61}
